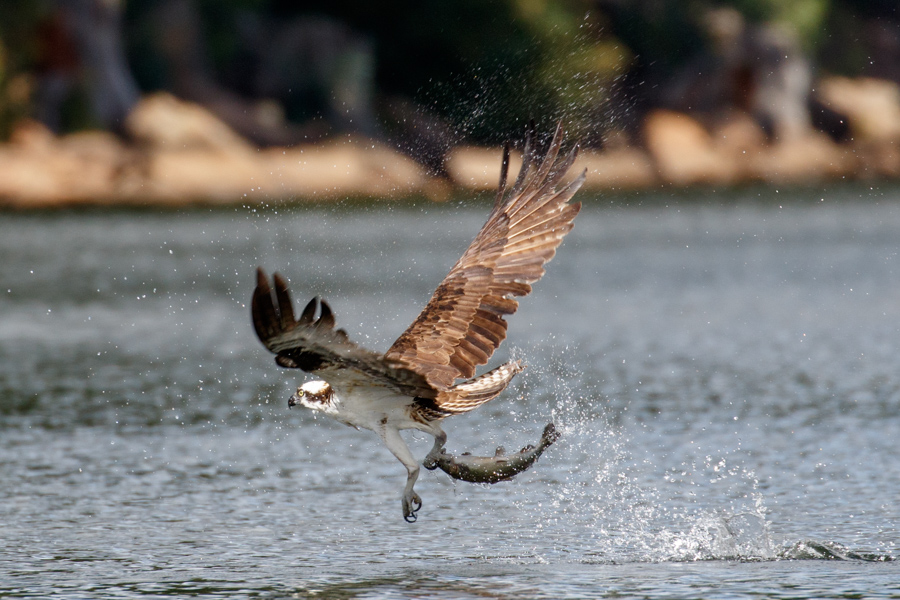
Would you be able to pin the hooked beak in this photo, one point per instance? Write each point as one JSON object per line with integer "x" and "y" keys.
{"x": 293, "y": 401}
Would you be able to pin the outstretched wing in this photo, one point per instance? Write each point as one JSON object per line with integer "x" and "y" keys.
{"x": 463, "y": 323}
{"x": 313, "y": 344}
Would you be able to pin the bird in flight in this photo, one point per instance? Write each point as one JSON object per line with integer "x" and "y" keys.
{"x": 428, "y": 374}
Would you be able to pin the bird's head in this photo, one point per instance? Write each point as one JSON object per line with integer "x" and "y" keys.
{"x": 312, "y": 394}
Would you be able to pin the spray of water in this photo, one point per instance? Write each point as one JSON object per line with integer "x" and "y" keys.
{"x": 633, "y": 509}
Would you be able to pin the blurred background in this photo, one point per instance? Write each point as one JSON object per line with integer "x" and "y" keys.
{"x": 717, "y": 337}
{"x": 156, "y": 101}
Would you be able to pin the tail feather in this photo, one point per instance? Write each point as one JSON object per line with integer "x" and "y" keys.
{"x": 471, "y": 394}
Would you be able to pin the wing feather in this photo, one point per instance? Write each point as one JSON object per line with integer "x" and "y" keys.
{"x": 313, "y": 345}
{"x": 463, "y": 323}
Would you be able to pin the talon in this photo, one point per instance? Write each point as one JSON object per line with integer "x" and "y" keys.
{"x": 411, "y": 506}
{"x": 431, "y": 459}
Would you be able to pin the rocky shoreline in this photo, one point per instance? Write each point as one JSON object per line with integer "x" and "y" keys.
{"x": 175, "y": 153}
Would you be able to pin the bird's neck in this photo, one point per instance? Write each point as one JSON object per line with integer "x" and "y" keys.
{"x": 328, "y": 406}
{"x": 332, "y": 408}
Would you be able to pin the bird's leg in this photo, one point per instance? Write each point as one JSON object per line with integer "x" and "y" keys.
{"x": 411, "y": 500}
{"x": 440, "y": 438}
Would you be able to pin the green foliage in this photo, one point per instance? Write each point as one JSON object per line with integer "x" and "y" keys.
{"x": 805, "y": 17}
{"x": 17, "y": 53}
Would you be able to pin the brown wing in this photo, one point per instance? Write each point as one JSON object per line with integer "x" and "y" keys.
{"x": 313, "y": 344}
{"x": 463, "y": 323}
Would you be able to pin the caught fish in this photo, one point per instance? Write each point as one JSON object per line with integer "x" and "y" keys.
{"x": 493, "y": 469}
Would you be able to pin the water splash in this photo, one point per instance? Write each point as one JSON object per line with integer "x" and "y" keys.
{"x": 742, "y": 536}
{"x": 636, "y": 509}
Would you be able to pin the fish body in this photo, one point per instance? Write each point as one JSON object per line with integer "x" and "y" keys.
{"x": 493, "y": 469}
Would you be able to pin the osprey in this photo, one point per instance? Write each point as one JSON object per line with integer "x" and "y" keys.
{"x": 416, "y": 383}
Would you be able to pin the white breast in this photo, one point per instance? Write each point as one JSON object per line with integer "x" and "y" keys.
{"x": 361, "y": 402}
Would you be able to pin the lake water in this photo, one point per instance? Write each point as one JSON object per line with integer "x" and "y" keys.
{"x": 725, "y": 372}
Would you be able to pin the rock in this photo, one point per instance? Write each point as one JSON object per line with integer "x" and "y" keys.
{"x": 618, "y": 168}
{"x": 871, "y": 106}
{"x": 163, "y": 122}
{"x": 478, "y": 169}
{"x": 338, "y": 168}
{"x": 191, "y": 155}
{"x": 684, "y": 152}
{"x": 802, "y": 160}
{"x": 736, "y": 133}
{"x": 37, "y": 168}
{"x": 331, "y": 170}
{"x": 183, "y": 154}
{"x": 198, "y": 175}
{"x": 738, "y": 138}
{"x": 877, "y": 159}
